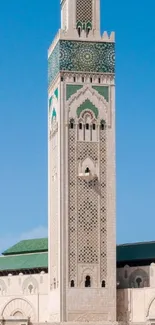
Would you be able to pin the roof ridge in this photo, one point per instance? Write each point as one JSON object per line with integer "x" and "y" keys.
{"x": 136, "y": 243}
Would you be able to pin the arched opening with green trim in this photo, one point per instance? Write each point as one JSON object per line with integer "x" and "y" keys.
{"x": 88, "y": 28}
{"x": 79, "y": 27}
{"x": 87, "y": 105}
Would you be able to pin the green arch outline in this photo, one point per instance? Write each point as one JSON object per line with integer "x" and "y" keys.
{"x": 87, "y": 105}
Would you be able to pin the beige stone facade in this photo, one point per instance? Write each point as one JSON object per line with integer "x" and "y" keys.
{"x": 82, "y": 262}
{"x": 24, "y": 298}
{"x": 81, "y": 285}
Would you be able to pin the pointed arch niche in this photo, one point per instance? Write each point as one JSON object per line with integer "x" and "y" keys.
{"x": 89, "y": 99}
{"x": 87, "y": 169}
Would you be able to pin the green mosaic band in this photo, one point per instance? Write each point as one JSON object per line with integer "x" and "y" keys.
{"x": 81, "y": 56}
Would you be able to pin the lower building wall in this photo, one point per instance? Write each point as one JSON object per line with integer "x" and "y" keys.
{"x": 90, "y": 304}
{"x": 24, "y": 296}
{"x": 136, "y": 305}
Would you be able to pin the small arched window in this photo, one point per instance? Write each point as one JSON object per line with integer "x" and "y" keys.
{"x": 88, "y": 281}
{"x": 103, "y": 284}
{"x": 80, "y": 126}
{"x": 72, "y": 124}
{"x": 87, "y": 126}
{"x": 138, "y": 281}
{"x": 79, "y": 28}
{"x": 72, "y": 283}
{"x": 87, "y": 170}
{"x": 54, "y": 282}
{"x": 125, "y": 274}
{"x": 94, "y": 126}
{"x": 102, "y": 125}
{"x": 30, "y": 287}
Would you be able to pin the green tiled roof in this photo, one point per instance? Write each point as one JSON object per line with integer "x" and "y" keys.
{"x": 136, "y": 252}
{"x": 28, "y": 246}
{"x": 22, "y": 262}
{"x": 33, "y": 253}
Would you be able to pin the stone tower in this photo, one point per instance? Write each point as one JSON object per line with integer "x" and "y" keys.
{"x": 81, "y": 172}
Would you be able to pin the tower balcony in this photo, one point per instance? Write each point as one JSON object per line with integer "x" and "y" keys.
{"x": 87, "y": 175}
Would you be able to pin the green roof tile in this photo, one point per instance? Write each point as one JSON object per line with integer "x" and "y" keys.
{"x": 22, "y": 262}
{"x": 28, "y": 246}
{"x": 33, "y": 253}
{"x": 136, "y": 252}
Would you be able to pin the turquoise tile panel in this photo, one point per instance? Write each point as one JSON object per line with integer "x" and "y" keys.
{"x": 81, "y": 56}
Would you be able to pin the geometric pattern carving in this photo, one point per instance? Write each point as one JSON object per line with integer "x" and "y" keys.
{"x": 30, "y": 285}
{"x": 87, "y": 209}
{"x": 87, "y": 150}
{"x": 81, "y": 56}
{"x": 19, "y": 305}
{"x": 84, "y": 217}
{"x": 87, "y": 222}
{"x": 84, "y": 11}
{"x": 103, "y": 208}
{"x": 72, "y": 207}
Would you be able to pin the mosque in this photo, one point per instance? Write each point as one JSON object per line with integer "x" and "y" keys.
{"x": 78, "y": 275}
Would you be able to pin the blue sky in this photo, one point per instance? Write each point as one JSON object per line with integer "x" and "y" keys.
{"x": 26, "y": 31}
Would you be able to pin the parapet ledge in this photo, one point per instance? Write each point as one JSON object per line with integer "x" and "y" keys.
{"x": 52, "y": 46}
{"x": 108, "y": 37}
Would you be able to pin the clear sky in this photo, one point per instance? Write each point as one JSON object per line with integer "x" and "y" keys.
{"x": 26, "y": 30}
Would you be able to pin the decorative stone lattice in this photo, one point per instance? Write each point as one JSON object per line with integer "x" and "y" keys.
{"x": 103, "y": 208}
{"x": 84, "y": 11}
{"x": 72, "y": 207}
{"x": 87, "y": 210}
{"x": 84, "y": 217}
{"x": 87, "y": 150}
{"x": 81, "y": 56}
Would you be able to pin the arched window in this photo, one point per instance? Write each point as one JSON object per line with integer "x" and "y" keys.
{"x": 103, "y": 284}
{"x": 79, "y": 28}
{"x": 87, "y": 170}
{"x": 102, "y": 125}
{"x": 125, "y": 274}
{"x": 138, "y": 281}
{"x": 88, "y": 281}
{"x": 30, "y": 288}
{"x": 71, "y": 124}
{"x": 54, "y": 282}
{"x": 94, "y": 126}
{"x": 80, "y": 126}
{"x": 87, "y": 126}
{"x": 72, "y": 283}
